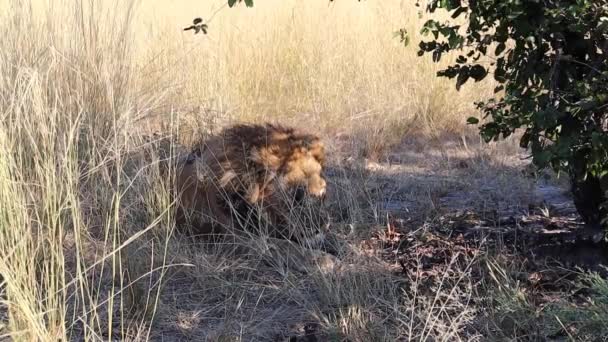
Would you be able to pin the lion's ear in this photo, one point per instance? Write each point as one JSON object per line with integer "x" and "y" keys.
{"x": 313, "y": 142}
{"x": 310, "y": 140}
{"x": 317, "y": 149}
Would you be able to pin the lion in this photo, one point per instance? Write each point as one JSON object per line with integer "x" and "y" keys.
{"x": 247, "y": 176}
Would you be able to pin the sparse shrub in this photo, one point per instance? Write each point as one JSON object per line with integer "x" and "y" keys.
{"x": 550, "y": 60}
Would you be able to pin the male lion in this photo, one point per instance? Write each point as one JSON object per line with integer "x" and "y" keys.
{"x": 248, "y": 176}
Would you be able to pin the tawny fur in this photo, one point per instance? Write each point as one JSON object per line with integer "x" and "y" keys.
{"x": 246, "y": 166}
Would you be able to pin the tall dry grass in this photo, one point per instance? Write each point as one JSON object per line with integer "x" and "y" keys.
{"x": 67, "y": 99}
{"x": 79, "y": 82}
{"x": 333, "y": 65}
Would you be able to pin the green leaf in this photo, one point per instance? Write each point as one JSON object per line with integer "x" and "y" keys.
{"x": 449, "y": 4}
{"x": 231, "y": 3}
{"x": 403, "y": 36}
{"x": 500, "y": 48}
{"x": 542, "y": 158}
{"x": 249, "y": 3}
{"x": 478, "y": 72}
{"x": 472, "y": 120}
{"x": 455, "y": 40}
{"x": 436, "y": 55}
{"x": 459, "y": 11}
{"x": 450, "y": 72}
{"x": 463, "y": 77}
{"x": 525, "y": 140}
{"x": 429, "y": 26}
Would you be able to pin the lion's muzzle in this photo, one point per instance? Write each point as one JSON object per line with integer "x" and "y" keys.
{"x": 317, "y": 187}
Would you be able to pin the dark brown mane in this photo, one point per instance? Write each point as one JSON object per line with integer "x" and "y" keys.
{"x": 241, "y": 142}
{"x": 255, "y": 136}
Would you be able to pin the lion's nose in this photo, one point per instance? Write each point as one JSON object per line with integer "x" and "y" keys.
{"x": 322, "y": 193}
{"x": 317, "y": 188}
{"x": 323, "y": 189}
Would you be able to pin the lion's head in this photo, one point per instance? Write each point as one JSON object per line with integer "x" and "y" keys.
{"x": 295, "y": 159}
{"x": 250, "y": 165}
